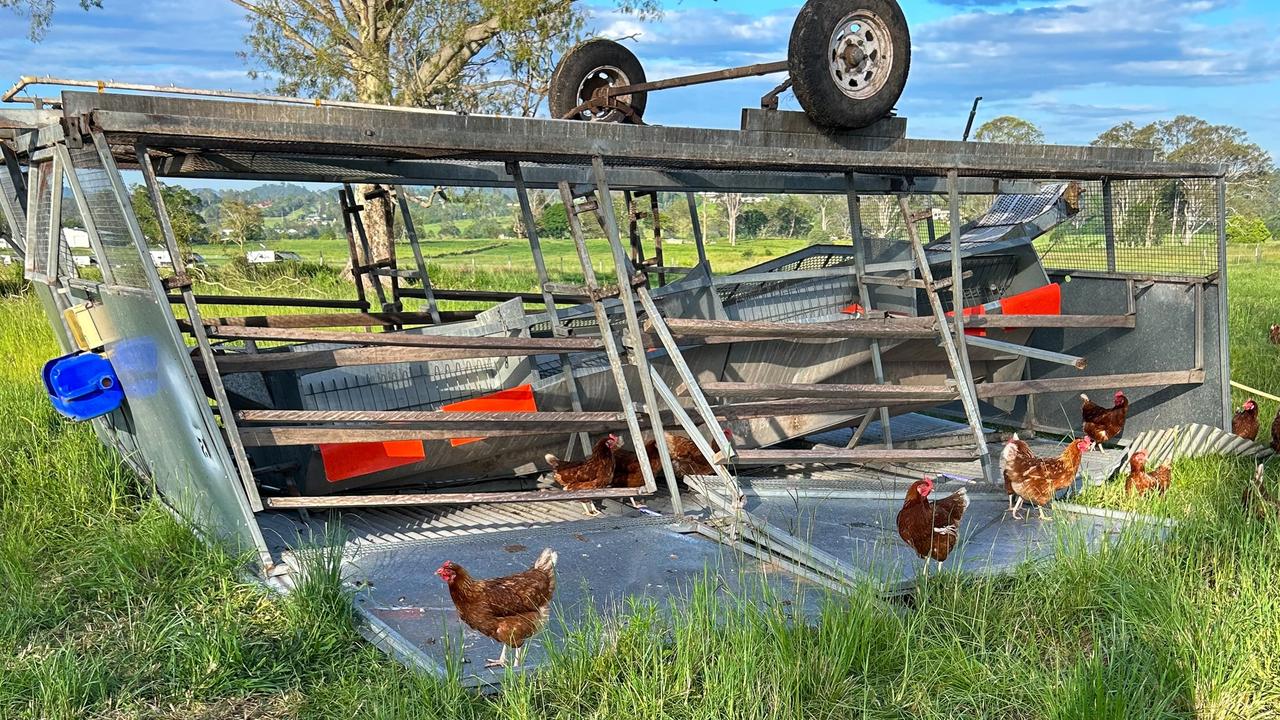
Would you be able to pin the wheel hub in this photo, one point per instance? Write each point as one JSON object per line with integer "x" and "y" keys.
{"x": 861, "y": 54}
{"x": 593, "y": 91}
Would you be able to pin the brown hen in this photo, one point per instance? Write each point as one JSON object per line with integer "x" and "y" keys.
{"x": 1245, "y": 422}
{"x": 1035, "y": 478}
{"x": 1103, "y": 424}
{"x": 509, "y": 609}
{"x": 591, "y": 474}
{"x": 931, "y": 528}
{"x": 1141, "y": 482}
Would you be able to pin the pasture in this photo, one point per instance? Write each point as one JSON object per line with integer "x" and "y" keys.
{"x": 110, "y": 608}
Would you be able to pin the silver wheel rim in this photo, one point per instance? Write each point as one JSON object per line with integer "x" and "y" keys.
{"x": 599, "y": 78}
{"x": 860, "y": 54}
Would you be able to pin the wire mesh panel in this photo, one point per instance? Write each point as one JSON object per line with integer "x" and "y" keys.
{"x": 15, "y": 229}
{"x": 39, "y": 201}
{"x": 1160, "y": 227}
{"x": 121, "y": 255}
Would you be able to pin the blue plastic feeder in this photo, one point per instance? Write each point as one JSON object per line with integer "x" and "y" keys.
{"x": 82, "y": 386}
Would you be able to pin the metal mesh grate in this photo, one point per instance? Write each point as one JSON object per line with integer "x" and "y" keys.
{"x": 1161, "y": 227}
{"x": 992, "y": 277}
{"x": 39, "y": 203}
{"x": 122, "y": 255}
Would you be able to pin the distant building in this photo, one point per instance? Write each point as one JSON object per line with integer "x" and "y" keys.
{"x": 76, "y": 238}
{"x": 266, "y": 257}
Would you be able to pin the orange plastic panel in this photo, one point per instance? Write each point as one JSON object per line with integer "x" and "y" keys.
{"x": 517, "y": 399}
{"x": 347, "y": 460}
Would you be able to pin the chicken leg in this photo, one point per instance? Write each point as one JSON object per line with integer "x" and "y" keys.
{"x": 636, "y": 504}
{"x": 589, "y": 509}
{"x": 501, "y": 661}
{"x": 1043, "y": 517}
{"x": 1016, "y": 507}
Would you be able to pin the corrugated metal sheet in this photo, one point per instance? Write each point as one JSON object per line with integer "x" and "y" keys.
{"x": 1192, "y": 441}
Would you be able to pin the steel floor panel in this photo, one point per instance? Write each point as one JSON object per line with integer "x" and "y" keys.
{"x": 602, "y": 564}
{"x": 862, "y": 531}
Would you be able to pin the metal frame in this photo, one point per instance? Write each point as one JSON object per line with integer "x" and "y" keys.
{"x": 350, "y": 143}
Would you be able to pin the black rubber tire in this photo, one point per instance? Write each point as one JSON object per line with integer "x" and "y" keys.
{"x": 809, "y": 64}
{"x": 583, "y": 61}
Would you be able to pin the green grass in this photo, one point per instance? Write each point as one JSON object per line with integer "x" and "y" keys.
{"x": 109, "y": 608}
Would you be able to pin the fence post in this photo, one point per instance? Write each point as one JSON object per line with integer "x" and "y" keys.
{"x": 1109, "y": 224}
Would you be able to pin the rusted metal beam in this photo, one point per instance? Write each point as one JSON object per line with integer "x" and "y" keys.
{"x": 872, "y": 328}
{"x": 939, "y": 393}
{"x": 1050, "y": 321}
{"x": 734, "y": 73}
{"x": 327, "y": 359}
{"x": 1096, "y": 382}
{"x": 499, "y": 345}
{"x": 322, "y": 320}
{"x": 444, "y": 420}
{"x": 293, "y": 436}
{"x": 257, "y": 300}
{"x": 409, "y": 499}
{"x": 851, "y": 455}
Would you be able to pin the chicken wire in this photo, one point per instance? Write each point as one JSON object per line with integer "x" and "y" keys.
{"x": 1160, "y": 227}
{"x": 104, "y": 208}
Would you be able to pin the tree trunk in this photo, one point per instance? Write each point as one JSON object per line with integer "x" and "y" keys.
{"x": 373, "y": 85}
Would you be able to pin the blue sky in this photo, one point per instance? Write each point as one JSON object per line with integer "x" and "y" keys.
{"x": 1074, "y": 67}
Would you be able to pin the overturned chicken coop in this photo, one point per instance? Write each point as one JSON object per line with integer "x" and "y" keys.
{"x": 842, "y": 371}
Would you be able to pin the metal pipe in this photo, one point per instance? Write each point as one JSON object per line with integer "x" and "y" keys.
{"x": 973, "y": 112}
{"x": 1074, "y": 361}
{"x": 1224, "y": 347}
{"x": 700, "y": 78}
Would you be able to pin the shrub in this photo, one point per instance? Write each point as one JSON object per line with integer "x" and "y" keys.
{"x": 1247, "y": 230}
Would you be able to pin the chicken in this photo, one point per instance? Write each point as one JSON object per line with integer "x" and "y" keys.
{"x": 1257, "y": 500}
{"x": 931, "y": 528}
{"x": 1035, "y": 478}
{"x": 591, "y": 474}
{"x": 686, "y": 459}
{"x": 1141, "y": 482}
{"x": 1275, "y": 433}
{"x": 1245, "y": 422}
{"x": 509, "y": 609}
{"x": 1275, "y": 334}
{"x": 1103, "y": 424}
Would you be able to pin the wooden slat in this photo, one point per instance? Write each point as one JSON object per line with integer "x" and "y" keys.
{"x": 441, "y": 420}
{"x": 494, "y": 296}
{"x": 1096, "y": 382}
{"x": 291, "y": 436}
{"x": 847, "y": 455}
{"x": 826, "y": 406}
{"x": 500, "y": 345}
{"x": 321, "y": 320}
{"x": 258, "y": 300}
{"x": 874, "y": 328}
{"x": 890, "y": 393}
{"x": 1050, "y": 321}
{"x": 408, "y": 499}
{"x": 327, "y": 359}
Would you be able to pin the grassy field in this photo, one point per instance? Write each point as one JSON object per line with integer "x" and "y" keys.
{"x": 111, "y": 609}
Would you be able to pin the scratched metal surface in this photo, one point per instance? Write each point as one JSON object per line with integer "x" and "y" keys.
{"x": 602, "y": 564}
{"x": 862, "y": 532}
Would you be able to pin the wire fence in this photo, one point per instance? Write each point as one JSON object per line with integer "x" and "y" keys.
{"x": 1160, "y": 227}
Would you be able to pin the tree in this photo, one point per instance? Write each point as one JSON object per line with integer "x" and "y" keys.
{"x": 189, "y": 227}
{"x": 554, "y": 222}
{"x": 1187, "y": 138}
{"x": 1247, "y": 230}
{"x": 1009, "y": 129}
{"x": 243, "y": 220}
{"x": 40, "y": 12}
{"x": 752, "y": 222}
{"x": 732, "y": 210}
{"x": 490, "y": 55}
{"x": 789, "y": 216}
